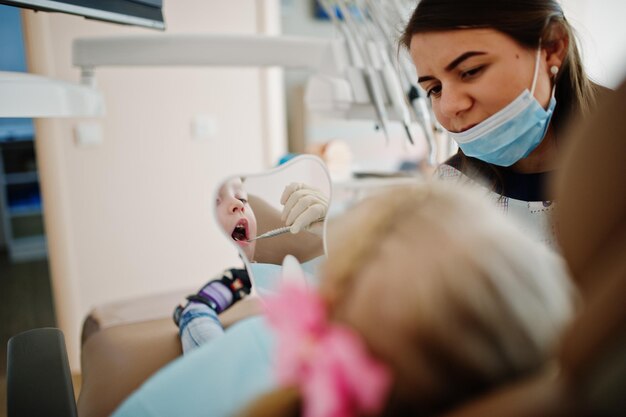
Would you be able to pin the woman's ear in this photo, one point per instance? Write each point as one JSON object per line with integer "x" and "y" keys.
{"x": 556, "y": 44}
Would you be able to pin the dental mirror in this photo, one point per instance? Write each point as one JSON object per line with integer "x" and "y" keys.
{"x": 247, "y": 207}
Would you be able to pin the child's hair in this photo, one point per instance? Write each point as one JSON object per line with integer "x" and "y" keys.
{"x": 463, "y": 300}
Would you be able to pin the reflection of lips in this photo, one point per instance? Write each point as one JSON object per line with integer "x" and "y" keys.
{"x": 240, "y": 231}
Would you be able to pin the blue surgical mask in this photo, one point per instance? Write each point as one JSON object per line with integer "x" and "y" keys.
{"x": 510, "y": 134}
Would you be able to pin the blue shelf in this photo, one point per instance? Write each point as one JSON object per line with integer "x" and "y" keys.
{"x": 21, "y": 178}
{"x": 20, "y": 200}
{"x": 28, "y": 248}
{"x": 25, "y": 211}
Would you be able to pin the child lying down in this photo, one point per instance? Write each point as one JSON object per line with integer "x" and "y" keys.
{"x": 429, "y": 298}
{"x": 197, "y": 319}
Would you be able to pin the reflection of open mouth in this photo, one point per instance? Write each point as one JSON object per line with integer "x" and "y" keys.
{"x": 240, "y": 232}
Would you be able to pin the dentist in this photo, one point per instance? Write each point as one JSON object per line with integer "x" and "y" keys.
{"x": 504, "y": 78}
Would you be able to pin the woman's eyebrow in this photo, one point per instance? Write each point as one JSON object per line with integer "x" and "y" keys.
{"x": 452, "y": 65}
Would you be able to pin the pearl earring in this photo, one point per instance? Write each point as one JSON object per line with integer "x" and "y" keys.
{"x": 554, "y": 69}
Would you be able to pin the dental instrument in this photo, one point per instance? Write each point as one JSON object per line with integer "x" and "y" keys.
{"x": 415, "y": 96}
{"x": 423, "y": 112}
{"x": 390, "y": 75}
{"x": 354, "y": 72}
{"x": 375, "y": 88}
{"x": 271, "y": 233}
{"x": 279, "y": 231}
{"x": 399, "y": 80}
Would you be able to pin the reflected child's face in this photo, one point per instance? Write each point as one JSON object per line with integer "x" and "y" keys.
{"x": 236, "y": 216}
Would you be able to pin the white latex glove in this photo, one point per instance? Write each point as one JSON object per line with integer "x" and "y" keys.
{"x": 304, "y": 205}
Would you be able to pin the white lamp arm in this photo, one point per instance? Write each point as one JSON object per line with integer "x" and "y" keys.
{"x": 325, "y": 56}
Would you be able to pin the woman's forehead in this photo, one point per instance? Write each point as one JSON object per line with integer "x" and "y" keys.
{"x": 439, "y": 49}
{"x": 460, "y": 37}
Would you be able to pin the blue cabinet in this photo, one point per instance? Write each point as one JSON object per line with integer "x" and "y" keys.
{"x": 21, "y": 218}
{"x": 20, "y": 201}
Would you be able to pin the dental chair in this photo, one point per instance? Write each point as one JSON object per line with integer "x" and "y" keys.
{"x": 590, "y": 372}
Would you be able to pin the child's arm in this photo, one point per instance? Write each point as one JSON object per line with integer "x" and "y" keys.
{"x": 248, "y": 307}
{"x": 198, "y": 320}
{"x": 198, "y": 325}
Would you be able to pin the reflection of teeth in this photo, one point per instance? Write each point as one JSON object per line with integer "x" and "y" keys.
{"x": 239, "y": 233}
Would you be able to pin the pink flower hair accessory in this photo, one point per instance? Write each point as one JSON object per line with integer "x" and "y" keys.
{"x": 327, "y": 361}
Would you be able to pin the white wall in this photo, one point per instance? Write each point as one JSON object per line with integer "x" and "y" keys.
{"x": 601, "y": 29}
{"x": 131, "y": 217}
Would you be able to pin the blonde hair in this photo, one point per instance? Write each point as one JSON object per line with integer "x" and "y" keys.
{"x": 478, "y": 303}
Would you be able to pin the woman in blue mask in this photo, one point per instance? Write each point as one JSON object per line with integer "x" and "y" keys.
{"x": 503, "y": 78}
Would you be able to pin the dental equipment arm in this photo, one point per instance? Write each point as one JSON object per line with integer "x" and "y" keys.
{"x": 375, "y": 88}
{"x": 398, "y": 82}
{"x": 389, "y": 73}
{"x": 422, "y": 111}
{"x": 385, "y": 18}
{"x": 407, "y": 74}
{"x": 416, "y": 96}
{"x": 381, "y": 16}
{"x": 419, "y": 104}
{"x": 354, "y": 72}
{"x": 361, "y": 74}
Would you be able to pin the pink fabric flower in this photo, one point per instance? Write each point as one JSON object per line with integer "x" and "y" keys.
{"x": 327, "y": 361}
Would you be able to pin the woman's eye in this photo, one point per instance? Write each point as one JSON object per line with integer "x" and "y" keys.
{"x": 243, "y": 200}
{"x": 472, "y": 72}
{"x": 435, "y": 91}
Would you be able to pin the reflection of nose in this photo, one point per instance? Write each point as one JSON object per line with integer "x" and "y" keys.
{"x": 236, "y": 205}
{"x": 454, "y": 102}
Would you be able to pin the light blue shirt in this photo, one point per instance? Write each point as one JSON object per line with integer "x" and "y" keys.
{"x": 216, "y": 379}
{"x": 219, "y": 378}
{"x": 267, "y": 277}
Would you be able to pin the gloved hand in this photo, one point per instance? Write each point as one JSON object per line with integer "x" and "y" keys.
{"x": 304, "y": 207}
